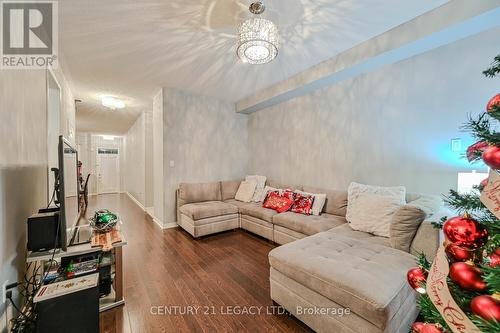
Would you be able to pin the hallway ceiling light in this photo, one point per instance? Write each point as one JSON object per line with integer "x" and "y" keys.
{"x": 108, "y": 137}
{"x": 258, "y": 38}
{"x": 112, "y": 102}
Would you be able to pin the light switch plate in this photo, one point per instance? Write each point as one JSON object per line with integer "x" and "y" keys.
{"x": 456, "y": 145}
{"x": 172, "y": 164}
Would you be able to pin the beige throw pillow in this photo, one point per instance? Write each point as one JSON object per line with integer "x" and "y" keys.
{"x": 259, "y": 188}
{"x": 373, "y": 213}
{"x": 404, "y": 226}
{"x": 318, "y": 203}
{"x": 245, "y": 191}
{"x": 398, "y": 193}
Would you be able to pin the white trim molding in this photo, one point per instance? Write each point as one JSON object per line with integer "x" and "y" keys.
{"x": 137, "y": 202}
{"x": 150, "y": 212}
{"x": 170, "y": 225}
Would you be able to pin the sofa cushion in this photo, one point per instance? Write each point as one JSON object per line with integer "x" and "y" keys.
{"x": 229, "y": 188}
{"x": 336, "y": 201}
{"x": 272, "y": 183}
{"x": 346, "y": 230}
{"x": 256, "y": 210}
{"x": 369, "y": 279}
{"x": 404, "y": 226}
{"x": 307, "y": 224}
{"x": 203, "y": 210}
{"x": 237, "y": 203}
{"x": 199, "y": 192}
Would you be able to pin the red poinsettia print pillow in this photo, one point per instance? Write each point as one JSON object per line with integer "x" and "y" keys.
{"x": 302, "y": 204}
{"x": 288, "y": 194}
{"x": 277, "y": 202}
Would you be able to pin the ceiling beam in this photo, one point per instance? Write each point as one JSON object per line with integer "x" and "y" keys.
{"x": 446, "y": 24}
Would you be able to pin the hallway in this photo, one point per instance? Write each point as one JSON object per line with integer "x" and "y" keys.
{"x": 214, "y": 277}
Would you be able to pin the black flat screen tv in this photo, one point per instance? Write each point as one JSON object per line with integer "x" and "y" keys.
{"x": 68, "y": 190}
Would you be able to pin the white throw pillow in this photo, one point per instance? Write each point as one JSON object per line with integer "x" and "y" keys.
{"x": 266, "y": 191}
{"x": 373, "y": 213}
{"x": 318, "y": 203}
{"x": 356, "y": 189}
{"x": 245, "y": 191}
{"x": 261, "y": 182}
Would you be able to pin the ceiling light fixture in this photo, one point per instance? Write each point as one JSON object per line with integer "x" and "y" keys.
{"x": 258, "y": 38}
{"x": 112, "y": 102}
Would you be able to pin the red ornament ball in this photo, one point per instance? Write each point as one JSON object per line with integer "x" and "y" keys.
{"x": 457, "y": 253}
{"x": 416, "y": 279}
{"x": 495, "y": 258}
{"x": 491, "y": 157}
{"x": 486, "y": 307}
{"x": 432, "y": 328}
{"x": 474, "y": 151}
{"x": 465, "y": 231}
{"x": 419, "y": 327}
{"x": 483, "y": 184}
{"x": 467, "y": 276}
{"x": 494, "y": 101}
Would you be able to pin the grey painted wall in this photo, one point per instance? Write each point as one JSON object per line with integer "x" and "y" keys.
{"x": 391, "y": 126}
{"x": 148, "y": 158}
{"x": 204, "y": 138}
{"x": 134, "y": 143}
{"x": 23, "y": 166}
{"x": 158, "y": 169}
{"x": 23, "y": 161}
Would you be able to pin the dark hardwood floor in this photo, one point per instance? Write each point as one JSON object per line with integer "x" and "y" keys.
{"x": 212, "y": 277}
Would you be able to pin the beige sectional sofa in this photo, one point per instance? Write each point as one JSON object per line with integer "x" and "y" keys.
{"x": 324, "y": 265}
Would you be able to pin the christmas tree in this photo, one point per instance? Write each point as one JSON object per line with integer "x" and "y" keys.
{"x": 460, "y": 290}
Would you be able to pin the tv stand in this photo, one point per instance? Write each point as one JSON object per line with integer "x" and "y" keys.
{"x": 115, "y": 298}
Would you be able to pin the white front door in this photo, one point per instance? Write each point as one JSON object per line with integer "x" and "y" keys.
{"x": 108, "y": 170}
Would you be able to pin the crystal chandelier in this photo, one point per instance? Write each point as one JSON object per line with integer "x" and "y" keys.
{"x": 258, "y": 38}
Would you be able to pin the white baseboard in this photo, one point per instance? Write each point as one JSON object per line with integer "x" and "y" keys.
{"x": 150, "y": 212}
{"x": 156, "y": 220}
{"x": 171, "y": 225}
{"x": 136, "y": 201}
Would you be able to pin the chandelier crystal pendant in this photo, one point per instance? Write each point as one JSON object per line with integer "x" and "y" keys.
{"x": 258, "y": 38}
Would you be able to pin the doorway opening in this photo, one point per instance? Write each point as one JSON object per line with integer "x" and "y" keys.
{"x": 108, "y": 170}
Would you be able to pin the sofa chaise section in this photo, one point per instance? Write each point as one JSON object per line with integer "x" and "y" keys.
{"x": 201, "y": 210}
{"x": 333, "y": 270}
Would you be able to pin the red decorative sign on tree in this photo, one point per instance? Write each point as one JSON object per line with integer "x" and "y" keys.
{"x": 490, "y": 196}
{"x": 437, "y": 289}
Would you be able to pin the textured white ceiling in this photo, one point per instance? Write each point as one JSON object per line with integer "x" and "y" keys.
{"x": 130, "y": 48}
